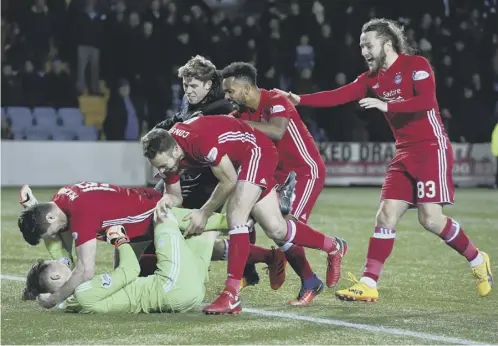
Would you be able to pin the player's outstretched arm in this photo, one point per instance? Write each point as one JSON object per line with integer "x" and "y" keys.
{"x": 348, "y": 93}
{"x": 90, "y": 294}
{"x": 226, "y": 174}
{"x": 83, "y": 271}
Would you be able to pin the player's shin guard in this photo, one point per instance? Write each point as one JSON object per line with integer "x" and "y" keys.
{"x": 296, "y": 257}
{"x": 237, "y": 257}
{"x": 379, "y": 248}
{"x": 455, "y": 237}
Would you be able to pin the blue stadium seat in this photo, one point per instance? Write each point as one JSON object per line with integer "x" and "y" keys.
{"x": 20, "y": 118}
{"x": 62, "y": 134}
{"x": 37, "y": 133}
{"x": 71, "y": 117}
{"x": 87, "y": 133}
{"x": 45, "y": 116}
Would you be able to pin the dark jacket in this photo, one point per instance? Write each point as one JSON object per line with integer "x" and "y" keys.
{"x": 117, "y": 118}
{"x": 198, "y": 183}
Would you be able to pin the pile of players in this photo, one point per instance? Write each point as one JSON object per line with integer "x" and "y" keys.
{"x": 236, "y": 144}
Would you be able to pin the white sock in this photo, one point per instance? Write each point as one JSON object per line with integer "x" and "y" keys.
{"x": 476, "y": 261}
{"x": 286, "y": 247}
{"x": 369, "y": 282}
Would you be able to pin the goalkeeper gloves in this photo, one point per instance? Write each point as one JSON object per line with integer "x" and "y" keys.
{"x": 116, "y": 236}
{"x": 26, "y": 197}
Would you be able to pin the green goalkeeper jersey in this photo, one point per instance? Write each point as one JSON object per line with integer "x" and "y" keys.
{"x": 176, "y": 286}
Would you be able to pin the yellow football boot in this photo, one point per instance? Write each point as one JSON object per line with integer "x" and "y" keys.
{"x": 484, "y": 278}
{"x": 358, "y": 292}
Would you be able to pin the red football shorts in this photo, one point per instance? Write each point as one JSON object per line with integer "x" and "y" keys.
{"x": 260, "y": 168}
{"x": 421, "y": 174}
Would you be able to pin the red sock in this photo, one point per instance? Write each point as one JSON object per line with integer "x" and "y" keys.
{"x": 297, "y": 259}
{"x": 237, "y": 257}
{"x": 456, "y": 238}
{"x": 258, "y": 254}
{"x": 379, "y": 249}
{"x": 299, "y": 233}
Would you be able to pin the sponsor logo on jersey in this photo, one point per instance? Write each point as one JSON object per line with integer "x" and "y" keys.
{"x": 419, "y": 75}
{"x": 106, "y": 280}
{"x": 376, "y": 86}
{"x": 212, "y": 155}
{"x": 391, "y": 93}
{"x": 277, "y": 109}
{"x": 398, "y": 78}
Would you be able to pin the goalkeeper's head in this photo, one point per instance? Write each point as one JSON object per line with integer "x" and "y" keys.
{"x": 45, "y": 277}
{"x": 42, "y": 220}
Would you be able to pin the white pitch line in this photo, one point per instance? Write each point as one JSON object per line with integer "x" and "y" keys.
{"x": 331, "y": 322}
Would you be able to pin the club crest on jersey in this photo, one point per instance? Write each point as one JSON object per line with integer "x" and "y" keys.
{"x": 419, "y": 75}
{"x": 398, "y": 78}
{"x": 106, "y": 280}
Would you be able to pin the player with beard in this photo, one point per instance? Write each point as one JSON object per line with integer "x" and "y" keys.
{"x": 204, "y": 96}
{"x": 402, "y": 86}
{"x": 272, "y": 114}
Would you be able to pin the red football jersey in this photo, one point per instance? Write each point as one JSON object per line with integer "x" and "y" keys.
{"x": 91, "y": 208}
{"x": 297, "y": 149}
{"x": 205, "y": 140}
{"x": 409, "y": 88}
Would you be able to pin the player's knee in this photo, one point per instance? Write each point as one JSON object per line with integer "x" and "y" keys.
{"x": 386, "y": 218}
{"x": 276, "y": 228}
{"x": 433, "y": 222}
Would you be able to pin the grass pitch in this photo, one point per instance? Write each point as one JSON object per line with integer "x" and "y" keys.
{"x": 427, "y": 293}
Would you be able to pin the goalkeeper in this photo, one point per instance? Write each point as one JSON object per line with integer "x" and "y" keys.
{"x": 176, "y": 286}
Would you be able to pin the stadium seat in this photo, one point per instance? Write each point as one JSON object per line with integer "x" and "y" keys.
{"x": 20, "y": 118}
{"x": 62, "y": 134}
{"x": 71, "y": 117}
{"x": 37, "y": 133}
{"x": 87, "y": 133}
{"x": 45, "y": 116}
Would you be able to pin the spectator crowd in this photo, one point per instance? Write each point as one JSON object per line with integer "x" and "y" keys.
{"x": 56, "y": 50}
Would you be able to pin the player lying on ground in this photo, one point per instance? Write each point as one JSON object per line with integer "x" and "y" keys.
{"x": 420, "y": 175}
{"x": 85, "y": 210}
{"x": 228, "y": 145}
{"x": 178, "y": 284}
{"x": 273, "y": 114}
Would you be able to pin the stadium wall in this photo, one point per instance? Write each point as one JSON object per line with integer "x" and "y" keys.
{"x": 59, "y": 163}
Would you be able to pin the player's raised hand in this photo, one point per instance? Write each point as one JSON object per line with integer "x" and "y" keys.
{"x": 26, "y": 197}
{"x": 198, "y": 219}
{"x": 293, "y": 98}
{"x": 370, "y": 102}
{"x": 116, "y": 235}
